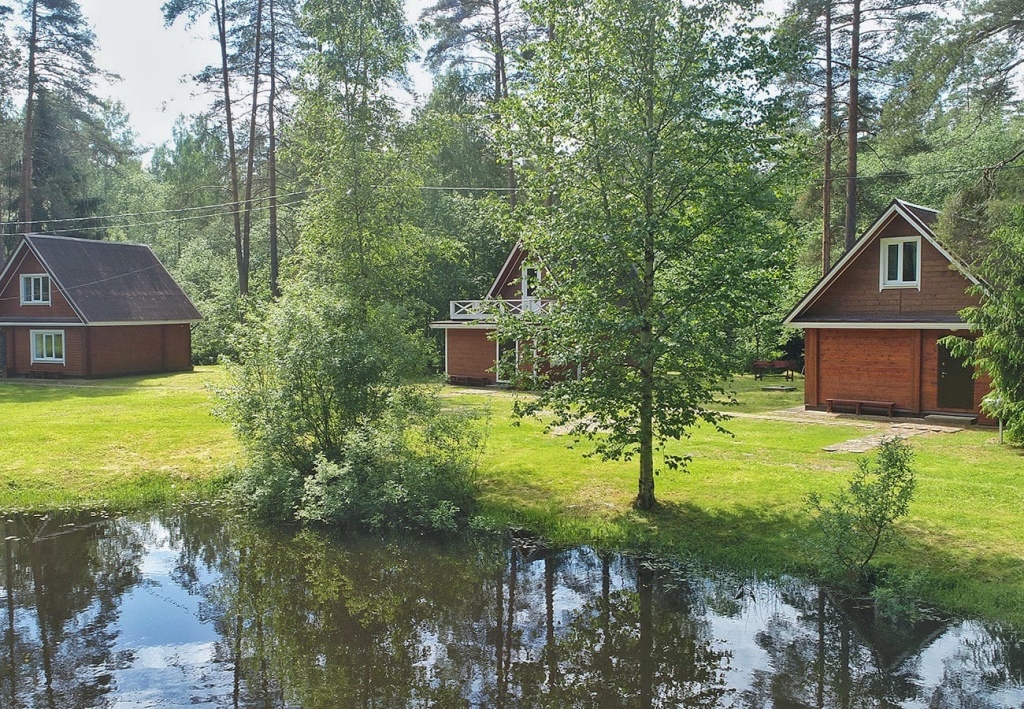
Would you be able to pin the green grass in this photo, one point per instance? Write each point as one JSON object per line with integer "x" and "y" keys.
{"x": 117, "y": 443}
{"x": 741, "y": 501}
{"x": 136, "y": 441}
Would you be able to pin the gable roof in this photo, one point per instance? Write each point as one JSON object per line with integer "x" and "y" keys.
{"x": 922, "y": 219}
{"x": 108, "y": 282}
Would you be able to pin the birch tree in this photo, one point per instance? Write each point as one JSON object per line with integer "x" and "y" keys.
{"x": 654, "y": 146}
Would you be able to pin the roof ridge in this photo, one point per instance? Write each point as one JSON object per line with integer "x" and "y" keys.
{"x": 83, "y": 240}
{"x": 915, "y": 206}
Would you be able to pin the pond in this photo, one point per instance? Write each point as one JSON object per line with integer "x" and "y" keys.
{"x": 188, "y": 608}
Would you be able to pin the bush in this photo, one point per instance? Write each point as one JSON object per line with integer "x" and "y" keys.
{"x": 333, "y": 433}
{"x": 411, "y": 471}
{"x": 857, "y": 522}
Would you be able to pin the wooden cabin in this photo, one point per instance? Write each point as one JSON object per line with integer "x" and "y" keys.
{"x": 83, "y": 308}
{"x": 472, "y": 353}
{"x": 873, "y": 324}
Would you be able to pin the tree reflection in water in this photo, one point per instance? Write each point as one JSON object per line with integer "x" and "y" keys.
{"x": 184, "y": 608}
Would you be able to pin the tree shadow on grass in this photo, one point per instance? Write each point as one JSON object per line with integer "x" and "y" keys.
{"x": 29, "y": 391}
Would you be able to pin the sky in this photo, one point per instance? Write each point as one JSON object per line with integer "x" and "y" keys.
{"x": 156, "y": 63}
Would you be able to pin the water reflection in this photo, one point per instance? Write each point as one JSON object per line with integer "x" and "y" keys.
{"x": 186, "y": 609}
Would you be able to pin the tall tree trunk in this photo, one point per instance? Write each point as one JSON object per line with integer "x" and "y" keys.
{"x": 645, "y": 495}
{"x": 220, "y": 12}
{"x": 501, "y": 90}
{"x": 25, "y": 197}
{"x": 852, "y": 131}
{"x": 275, "y": 289}
{"x": 250, "y": 166}
{"x": 826, "y": 190}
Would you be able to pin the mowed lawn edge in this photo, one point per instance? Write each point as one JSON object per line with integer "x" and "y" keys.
{"x": 119, "y": 443}
{"x": 137, "y": 441}
{"x": 741, "y": 501}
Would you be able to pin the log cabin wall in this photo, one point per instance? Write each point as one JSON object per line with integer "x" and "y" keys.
{"x": 10, "y": 294}
{"x": 855, "y": 292}
{"x": 470, "y": 353}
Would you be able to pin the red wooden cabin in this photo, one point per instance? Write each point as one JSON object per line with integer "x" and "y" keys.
{"x": 83, "y": 308}
{"x": 872, "y": 325}
{"x": 472, "y": 354}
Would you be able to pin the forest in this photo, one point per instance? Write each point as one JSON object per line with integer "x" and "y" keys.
{"x": 749, "y": 148}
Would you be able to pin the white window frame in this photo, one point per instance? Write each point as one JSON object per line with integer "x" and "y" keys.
{"x": 29, "y": 277}
{"x": 525, "y": 286}
{"x": 43, "y": 359}
{"x": 883, "y": 272}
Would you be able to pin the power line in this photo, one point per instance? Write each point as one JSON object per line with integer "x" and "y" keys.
{"x": 177, "y": 210}
{"x": 431, "y": 188}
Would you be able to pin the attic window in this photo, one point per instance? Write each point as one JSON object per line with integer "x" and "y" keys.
{"x": 35, "y": 289}
{"x": 901, "y": 262}
{"x": 531, "y": 281}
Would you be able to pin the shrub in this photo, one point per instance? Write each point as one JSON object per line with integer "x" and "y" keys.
{"x": 333, "y": 432}
{"x": 858, "y": 521}
{"x": 398, "y": 475}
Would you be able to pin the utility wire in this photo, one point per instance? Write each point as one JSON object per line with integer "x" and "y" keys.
{"x": 427, "y": 188}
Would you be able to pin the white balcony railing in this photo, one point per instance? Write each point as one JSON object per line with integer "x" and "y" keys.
{"x": 488, "y": 309}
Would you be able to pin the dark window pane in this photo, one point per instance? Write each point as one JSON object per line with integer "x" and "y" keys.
{"x": 910, "y": 261}
{"x": 892, "y": 263}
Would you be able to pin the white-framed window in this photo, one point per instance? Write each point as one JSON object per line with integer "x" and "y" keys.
{"x": 901, "y": 262}
{"x": 48, "y": 346}
{"x": 35, "y": 289}
{"x": 531, "y": 280}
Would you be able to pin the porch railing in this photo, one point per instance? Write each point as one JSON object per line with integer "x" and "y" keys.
{"x": 489, "y": 308}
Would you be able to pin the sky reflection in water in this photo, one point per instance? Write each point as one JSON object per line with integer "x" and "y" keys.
{"x": 185, "y": 609}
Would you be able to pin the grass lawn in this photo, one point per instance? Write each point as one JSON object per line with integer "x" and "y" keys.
{"x": 136, "y": 441}
{"x": 740, "y": 503}
{"x": 124, "y": 442}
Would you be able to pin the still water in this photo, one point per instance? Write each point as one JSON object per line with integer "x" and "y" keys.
{"x": 186, "y": 608}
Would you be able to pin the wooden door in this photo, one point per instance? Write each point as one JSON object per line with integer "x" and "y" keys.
{"x": 956, "y": 382}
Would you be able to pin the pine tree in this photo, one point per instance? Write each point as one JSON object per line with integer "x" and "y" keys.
{"x": 58, "y": 47}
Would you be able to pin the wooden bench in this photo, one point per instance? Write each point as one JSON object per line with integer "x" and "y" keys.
{"x": 468, "y": 381}
{"x": 760, "y": 367}
{"x": 858, "y": 404}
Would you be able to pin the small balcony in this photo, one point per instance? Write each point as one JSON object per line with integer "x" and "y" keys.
{"x": 488, "y": 309}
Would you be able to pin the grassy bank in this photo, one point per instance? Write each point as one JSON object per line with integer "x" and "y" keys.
{"x": 137, "y": 441}
{"x": 741, "y": 501}
{"x": 117, "y": 443}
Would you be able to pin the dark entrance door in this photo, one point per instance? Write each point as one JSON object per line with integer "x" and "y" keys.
{"x": 3, "y": 353}
{"x": 956, "y": 382}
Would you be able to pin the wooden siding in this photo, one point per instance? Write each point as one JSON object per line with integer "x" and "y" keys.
{"x": 10, "y": 294}
{"x": 879, "y": 365}
{"x": 855, "y": 292}
{"x": 511, "y": 287}
{"x": 105, "y": 351}
{"x": 866, "y": 364}
{"x": 469, "y": 353}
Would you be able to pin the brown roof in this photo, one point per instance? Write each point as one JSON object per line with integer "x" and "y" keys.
{"x": 112, "y": 282}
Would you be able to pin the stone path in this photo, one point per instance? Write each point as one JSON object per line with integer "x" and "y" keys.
{"x": 901, "y": 430}
{"x": 889, "y": 428}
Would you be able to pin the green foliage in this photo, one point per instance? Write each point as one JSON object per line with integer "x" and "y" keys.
{"x": 858, "y": 521}
{"x": 999, "y": 348}
{"x": 655, "y": 166}
{"x": 333, "y": 432}
{"x": 407, "y": 472}
{"x": 313, "y": 369}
